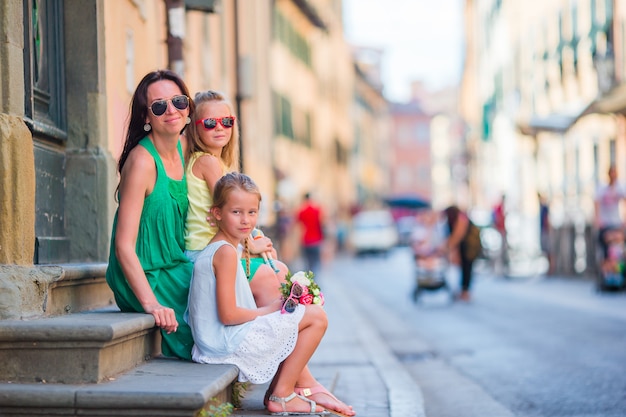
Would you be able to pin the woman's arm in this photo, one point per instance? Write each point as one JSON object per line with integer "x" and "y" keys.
{"x": 136, "y": 182}
{"x": 225, "y": 264}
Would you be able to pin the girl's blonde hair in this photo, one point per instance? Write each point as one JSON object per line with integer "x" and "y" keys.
{"x": 233, "y": 181}
{"x": 224, "y": 187}
{"x": 230, "y": 152}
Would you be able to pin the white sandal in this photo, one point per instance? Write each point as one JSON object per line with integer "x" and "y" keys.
{"x": 284, "y": 400}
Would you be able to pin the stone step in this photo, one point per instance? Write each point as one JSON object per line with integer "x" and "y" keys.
{"x": 86, "y": 347}
{"x": 159, "y": 387}
{"x": 80, "y": 287}
{"x": 51, "y": 290}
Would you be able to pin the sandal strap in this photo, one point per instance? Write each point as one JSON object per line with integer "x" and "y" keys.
{"x": 284, "y": 400}
{"x": 308, "y": 400}
{"x": 307, "y": 392}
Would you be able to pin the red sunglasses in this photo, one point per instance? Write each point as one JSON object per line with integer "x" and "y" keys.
{"x": 211, "y": 123}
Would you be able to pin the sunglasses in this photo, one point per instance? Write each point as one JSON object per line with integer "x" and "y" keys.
{"x": 290, "y": 304}
{"x": 159, "y": 107}
{"x": 211, "y": 123}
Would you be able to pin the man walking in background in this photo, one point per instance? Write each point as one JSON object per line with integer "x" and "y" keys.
{"x": 310, "y": 218}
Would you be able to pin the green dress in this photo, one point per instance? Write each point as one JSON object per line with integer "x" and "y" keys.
{"x": 160, "y": 248}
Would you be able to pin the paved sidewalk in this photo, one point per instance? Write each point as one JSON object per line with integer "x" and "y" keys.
{"x": 353, "y": 362}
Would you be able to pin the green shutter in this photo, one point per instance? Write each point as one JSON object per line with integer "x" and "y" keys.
{"x": 208, "y": 6}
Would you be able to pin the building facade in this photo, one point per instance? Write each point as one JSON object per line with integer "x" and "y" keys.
{"x": 68, "y": 70}
{"x": 540, "y": 92}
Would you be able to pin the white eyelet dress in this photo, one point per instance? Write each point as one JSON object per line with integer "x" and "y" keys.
{"x": 257, "y": 347}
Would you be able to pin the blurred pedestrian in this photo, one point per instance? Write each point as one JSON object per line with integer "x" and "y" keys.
{"x": 311, "y": 220}
{"x": 608, "y": 199}
{"x": 463, "y": 245}
{"x": 544, "y": 230}
{"x": 499, "y": 223}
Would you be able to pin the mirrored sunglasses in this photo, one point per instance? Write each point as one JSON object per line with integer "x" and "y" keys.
{"x": 159, "y": 107}
{"x": 211, "y": 123}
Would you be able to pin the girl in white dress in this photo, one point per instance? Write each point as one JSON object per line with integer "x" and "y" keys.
{"x": 226, "y": 324}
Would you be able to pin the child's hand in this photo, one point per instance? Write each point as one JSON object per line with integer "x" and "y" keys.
{"x": 277, "y": 304}
{"x": 271, "y": 307}
{"x": 260, "y": 245}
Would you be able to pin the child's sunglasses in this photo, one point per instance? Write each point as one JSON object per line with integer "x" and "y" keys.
{"x": 290, "y": 304}
{"x": 159, "y": 107}
{"x": 211, "y": 123}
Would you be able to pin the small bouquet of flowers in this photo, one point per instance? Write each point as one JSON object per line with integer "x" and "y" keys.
{"x": 300, "y": 288}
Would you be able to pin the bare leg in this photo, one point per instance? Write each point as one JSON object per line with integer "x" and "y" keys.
{"x": 311, "y": 330}
{"x": 265, "y": 283}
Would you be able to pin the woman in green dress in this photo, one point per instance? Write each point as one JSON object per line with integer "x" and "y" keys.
{"x": 148, "y": 270}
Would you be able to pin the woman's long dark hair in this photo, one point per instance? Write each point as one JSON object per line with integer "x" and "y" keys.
{"x": 139, "y": 109}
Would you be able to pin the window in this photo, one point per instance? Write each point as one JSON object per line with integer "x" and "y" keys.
{"x": 286, "y": 33}
{"x": 283, "y": 124}
{"x": 44, "y": 69}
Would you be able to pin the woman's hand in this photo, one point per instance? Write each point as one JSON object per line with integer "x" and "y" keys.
{"x": 164, "y": 317}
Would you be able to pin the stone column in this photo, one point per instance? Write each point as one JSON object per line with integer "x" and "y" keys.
{"x": 17, "y": 192}
{"x": 17, "y": 162}
{"x": 17, "y": 168}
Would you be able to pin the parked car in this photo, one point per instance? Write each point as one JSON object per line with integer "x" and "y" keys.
{"x": 373, "y": 231}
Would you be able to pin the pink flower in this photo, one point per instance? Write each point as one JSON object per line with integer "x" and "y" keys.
{"x": 321, "y": 296}
{"x": 306, "y": 299}
{"x": 305, "y": 290}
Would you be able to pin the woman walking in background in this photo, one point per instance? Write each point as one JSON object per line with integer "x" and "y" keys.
{"x": 463, "y": 242}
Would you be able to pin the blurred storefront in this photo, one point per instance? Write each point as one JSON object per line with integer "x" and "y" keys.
{"x": 542, "y": 82}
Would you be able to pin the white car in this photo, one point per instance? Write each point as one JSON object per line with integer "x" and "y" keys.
{"x": 373, "y": 231}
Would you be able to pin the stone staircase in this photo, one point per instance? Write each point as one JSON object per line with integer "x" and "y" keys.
{"x": 83, "y": 357}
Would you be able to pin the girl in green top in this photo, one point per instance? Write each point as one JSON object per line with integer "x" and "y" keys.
{"x": 148, "y": 270}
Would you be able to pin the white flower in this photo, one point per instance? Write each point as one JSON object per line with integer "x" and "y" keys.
{"x": 301, "y": 278}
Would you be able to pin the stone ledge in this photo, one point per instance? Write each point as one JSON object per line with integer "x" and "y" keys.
{"x": 81, "y": 287}
{"x": 160, "y": 387}
{"x": 50, "y": 290}
{"x": 75, "y": 348}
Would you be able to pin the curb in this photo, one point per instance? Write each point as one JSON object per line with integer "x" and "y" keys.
{"x": 405, "y": 396}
